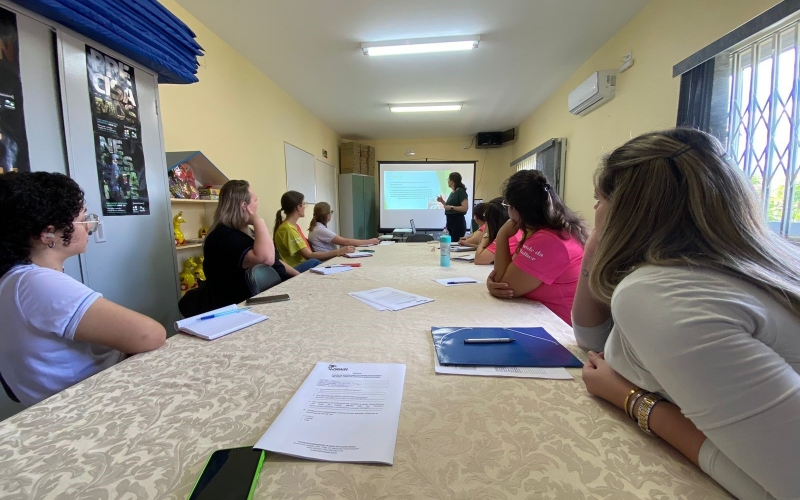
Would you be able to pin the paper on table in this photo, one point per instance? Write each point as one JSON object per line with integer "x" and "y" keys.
{"x": 391, "y": 298}
{"x": 384, "y": 243}
{"x": 211, "y": 329}
{"x": 502, "y": 371}
{"x": 330, "y": 269}
{"x": 456, "y": 281}
{"x": 343, "y": 412}
{"x": 371, "y": 304}
{"x": 468, "y": 258}
{"x": 354, "y": 255}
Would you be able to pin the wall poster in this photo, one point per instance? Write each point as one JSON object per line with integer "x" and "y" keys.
{"x": 13, "y": 137}
{"x": 117, "y": 135}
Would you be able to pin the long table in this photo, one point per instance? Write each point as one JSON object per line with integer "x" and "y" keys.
{"x": 144, "y": 428}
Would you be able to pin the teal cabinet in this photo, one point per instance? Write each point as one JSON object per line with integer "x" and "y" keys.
{"x": 357, "y": 218}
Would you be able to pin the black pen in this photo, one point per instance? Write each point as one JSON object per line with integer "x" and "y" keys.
{"x": 461, "y": 282}
{"x": 489, "y": 341}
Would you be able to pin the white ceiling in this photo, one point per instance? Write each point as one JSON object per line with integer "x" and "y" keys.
{"x": 311, "y": 49}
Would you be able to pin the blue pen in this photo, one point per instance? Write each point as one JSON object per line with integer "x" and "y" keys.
{"x": 225, "y": 313}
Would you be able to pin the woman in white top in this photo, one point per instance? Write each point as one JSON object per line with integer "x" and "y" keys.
{"x": 55, "y": 331}
{"x": 694, "y": 300}
{"x": 323, "y": 239}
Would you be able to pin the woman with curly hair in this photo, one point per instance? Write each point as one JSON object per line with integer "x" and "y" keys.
{"x": 55, "y": 330}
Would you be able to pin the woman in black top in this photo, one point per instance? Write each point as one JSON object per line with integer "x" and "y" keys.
{"x": 230, "y": 249}
{"x": 456, "y": 207}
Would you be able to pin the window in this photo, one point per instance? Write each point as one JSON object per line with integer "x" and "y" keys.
{"x": 764, "y": 123}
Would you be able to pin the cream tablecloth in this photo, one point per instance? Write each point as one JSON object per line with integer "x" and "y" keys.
{"x": 144, "y": 428}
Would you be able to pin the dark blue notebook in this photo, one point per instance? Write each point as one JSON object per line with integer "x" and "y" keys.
{"x": 531, "y": 347}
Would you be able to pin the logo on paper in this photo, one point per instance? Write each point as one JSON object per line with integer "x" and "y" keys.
{"x": 336, "y": 368}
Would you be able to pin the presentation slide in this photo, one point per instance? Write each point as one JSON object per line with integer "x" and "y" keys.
{"x": 409, "y": 190}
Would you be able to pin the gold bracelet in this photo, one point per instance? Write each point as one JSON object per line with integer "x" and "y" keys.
{"x": 633, "y": 399}
{"x": 649, "y": 400}
{"x": 628, "y": 399}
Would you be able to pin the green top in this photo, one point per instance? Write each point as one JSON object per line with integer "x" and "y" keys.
{"x": 290, "y": 241}
{"x": 455, "y": 199}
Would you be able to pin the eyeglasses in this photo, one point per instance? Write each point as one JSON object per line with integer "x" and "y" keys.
{"x": 93, "y": 221}
{"x": 506, "y": 205}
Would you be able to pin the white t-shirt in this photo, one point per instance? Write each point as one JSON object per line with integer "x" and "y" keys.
{"x": 321, "y": 238}
{"x": 40, "y": 310}
{"x": 728, "y": 355}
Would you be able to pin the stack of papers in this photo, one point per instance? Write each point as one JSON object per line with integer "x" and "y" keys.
{"x": 389, "y": 299}
{"x": 384, "y": 243}
{"x": 466, "y": 258}
{"x": 459, "y": 248}
{"x": 356, "y": 255}
{"x": 456, "y": 281}
{"x": 334, "y": 269}
{"x": 343, "y": 412}
{"x": 219, "y": 322}
{"x": 502, "y": 371}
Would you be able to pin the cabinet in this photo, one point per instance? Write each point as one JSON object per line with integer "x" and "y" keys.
{"x": 357, "y": 211}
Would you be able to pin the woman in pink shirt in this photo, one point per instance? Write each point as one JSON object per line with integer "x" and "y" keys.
{"x": 547, "y": 262}
{"x": 495, "y": 215}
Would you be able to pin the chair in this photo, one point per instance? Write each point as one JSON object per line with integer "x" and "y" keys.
{"x": 419, "y": 238}
{"x": 261, "y": 277}
{"x": 8, "y": 390}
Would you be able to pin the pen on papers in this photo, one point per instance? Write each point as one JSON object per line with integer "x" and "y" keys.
{"x": 460, "y": 282}
{"x": 225, "y": 313}
{"x": 334, "y": 265}
{"x": 489, "y": 341}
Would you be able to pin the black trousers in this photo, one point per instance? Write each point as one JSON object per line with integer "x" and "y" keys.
{"x": 456, "y": 226}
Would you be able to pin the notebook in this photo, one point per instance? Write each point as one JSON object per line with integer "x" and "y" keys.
{"x": 467, "y": 258}
{"x": 215, "y": 328}
{"x": 531, "y": 347}
{"x": 459, "y": 248}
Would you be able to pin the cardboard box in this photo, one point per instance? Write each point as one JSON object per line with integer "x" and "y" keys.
{"x": 350, "y": 158}
{"x": 363, "y": 166}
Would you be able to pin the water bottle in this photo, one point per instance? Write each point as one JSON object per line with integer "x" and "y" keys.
{"x": 444, "y": 249}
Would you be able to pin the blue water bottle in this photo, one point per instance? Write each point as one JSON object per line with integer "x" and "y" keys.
{"x": 444, "y": 249}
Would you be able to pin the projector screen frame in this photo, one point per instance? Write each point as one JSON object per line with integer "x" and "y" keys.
{"x": 470, "y": 193}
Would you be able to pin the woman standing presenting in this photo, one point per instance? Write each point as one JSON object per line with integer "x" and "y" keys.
{"x": 456, "y": 207}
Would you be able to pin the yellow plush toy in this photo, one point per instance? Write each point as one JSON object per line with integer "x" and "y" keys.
{"x": 202, "y": 232}
{"x": 187, "y": 276}
{"x": 176, "y": 227}
{"x": 199, "y": 273}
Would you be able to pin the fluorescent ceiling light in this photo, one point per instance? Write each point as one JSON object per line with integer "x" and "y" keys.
{"x": 421, "y": 45}
{"x": 421, "y": 108}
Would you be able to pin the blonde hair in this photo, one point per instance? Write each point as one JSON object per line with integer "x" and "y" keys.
{"x": 229, "y": 209}
{"x": 321, "y": 212}
{"x": 674, "y": 200}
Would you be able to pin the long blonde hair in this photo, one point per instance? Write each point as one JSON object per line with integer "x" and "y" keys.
{"x": 229, "y": 209}
{"x": 321, "y": 212}
{"x": 674, "y": 200}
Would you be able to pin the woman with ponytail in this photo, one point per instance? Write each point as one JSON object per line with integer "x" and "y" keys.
{"x": 547, "y": 262}
{"x": 456, "y": 207}
{"x": 323, "y": 239}
{"x": 693, "y": 305}
{"x": 290, "y": 240}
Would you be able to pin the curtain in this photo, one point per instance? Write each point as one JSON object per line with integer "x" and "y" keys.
{"x": 694, "y": 103}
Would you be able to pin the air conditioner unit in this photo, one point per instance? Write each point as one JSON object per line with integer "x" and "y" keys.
{"x": 593, "y": 92}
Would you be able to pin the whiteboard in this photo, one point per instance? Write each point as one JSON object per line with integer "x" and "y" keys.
{"x": 326, "y": 190}
{"x": 300, "y": 172}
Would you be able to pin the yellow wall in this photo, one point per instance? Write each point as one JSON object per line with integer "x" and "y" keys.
{"x": 662, "y": 34}
{"x": 240, "y": 119}
{"x": 492, "y": 169}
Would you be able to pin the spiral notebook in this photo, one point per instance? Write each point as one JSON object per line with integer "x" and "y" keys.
{"x": 210, "y": 329}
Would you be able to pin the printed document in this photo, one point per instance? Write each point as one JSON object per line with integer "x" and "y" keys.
{"x": 343, "y": 412}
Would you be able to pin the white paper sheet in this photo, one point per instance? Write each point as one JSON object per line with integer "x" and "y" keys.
{"x": 384, "y": 243}
{"x": 456, "y": 281}
{"x": 355, "y": 255}
{"x": 371, "y": 304}
{"x": 466, "y": 258}
{"x": 391, "y": 298}
{"x": 343, "y": 412}
{"x": 502, "y": 371}
{"x": 326, "y": 270}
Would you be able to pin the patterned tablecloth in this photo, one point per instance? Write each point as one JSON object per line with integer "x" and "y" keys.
{"x": 144, "y": 428}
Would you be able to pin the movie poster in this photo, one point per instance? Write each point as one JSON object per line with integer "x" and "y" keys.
{"x": 117, "y": 135}
{"x": 13, "y": 138}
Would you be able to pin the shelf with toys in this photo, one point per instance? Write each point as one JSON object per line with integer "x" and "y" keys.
{"x": 192, "y": 175}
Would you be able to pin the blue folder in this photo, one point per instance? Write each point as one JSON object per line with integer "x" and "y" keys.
{"x": 531, "y": 347}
